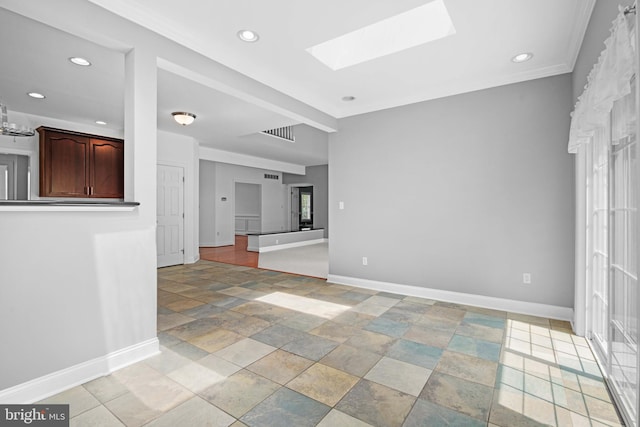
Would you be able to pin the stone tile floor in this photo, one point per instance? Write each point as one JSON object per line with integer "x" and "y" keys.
{"x": 249, "y": 347}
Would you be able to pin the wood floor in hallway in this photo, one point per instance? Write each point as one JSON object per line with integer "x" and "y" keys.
{"x": 236, "y": 255}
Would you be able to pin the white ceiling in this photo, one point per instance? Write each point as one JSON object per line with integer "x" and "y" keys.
{"x": 488, "y": 34}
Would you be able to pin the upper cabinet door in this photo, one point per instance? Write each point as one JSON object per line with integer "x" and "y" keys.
{"x": 64, "y": 165}
{"x": 74, "y": 164}
{"x": 106, "y": 177}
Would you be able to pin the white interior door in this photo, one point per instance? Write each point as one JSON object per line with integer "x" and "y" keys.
{"x": 170, "y": 228}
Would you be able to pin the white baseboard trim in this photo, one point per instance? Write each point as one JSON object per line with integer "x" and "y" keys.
{"x": 503, "y": 304}
{"x": 56, "y": 382}
{"x": 291, "y": 245}
{"x": 192, "y": 260}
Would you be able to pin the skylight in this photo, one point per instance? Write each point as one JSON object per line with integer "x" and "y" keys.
{"x": 417, "y": 26}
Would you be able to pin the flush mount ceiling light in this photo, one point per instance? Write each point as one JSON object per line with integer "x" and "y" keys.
{"x": 348, "y": 98}
{"x": 183, "y": 118}
{"x": 248, "y": 36}
{"x": 101, "y": 122}
{"x": 412, "y": 28}
{"x": 80, "y": 61}
{"x": 522, "y": 57}
{"x": 36, "y": 95}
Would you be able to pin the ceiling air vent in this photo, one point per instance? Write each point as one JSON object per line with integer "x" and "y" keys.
{"x": 271, "y": 176}
{"x": 285, "y": 133}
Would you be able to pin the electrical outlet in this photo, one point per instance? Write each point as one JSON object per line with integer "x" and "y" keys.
{"x": 277, "y": 241}
{"x": 526, "y": 278}
{"x": 340, "y": 205}
{"x": 365, "y": 261}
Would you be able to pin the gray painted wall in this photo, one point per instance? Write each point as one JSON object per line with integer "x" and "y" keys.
{"x": 318, "y": 176}
{"x": 207, "y": 227}
{"x": 247, "y": 199}
{"x": 604, "y": 12}
{"x": 464, "y": 193}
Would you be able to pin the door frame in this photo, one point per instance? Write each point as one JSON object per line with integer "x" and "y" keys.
{"x": 289, "y": 187}
{"x": 34, "y": 168}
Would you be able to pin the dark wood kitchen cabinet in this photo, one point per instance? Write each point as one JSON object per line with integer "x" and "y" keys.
{"x": 74, "y": 164}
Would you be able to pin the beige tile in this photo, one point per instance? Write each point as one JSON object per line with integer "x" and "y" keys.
{"x": 196, "y": 377}
{"x": 356, "y": 361}
{"x": 96, "y": 417}
{"x": 167, "y": 361}
{"x": 541, "y": 340}
{"x": 240, "y": 392}
{"x": 460, "y": 395}
{"x": 218, "y": 365}
{"x": 567, "y": 418}
{"x": 539, "y": 410}
{"x": 334, "y": 331}
{"x": 512, "y": 359}
{"x": 432, "y": 337}
{"x": 543, "y": 353}
{"x": 382, "y": 301}
{"x": 105, "y": 388}
{"x": 168, "y": 321}
{"x": 562, "y": 336}
{"x": 481, "y": 332}
{"x": 467, "y": 367}
{"x": 183, "y": 304}
{"x": 399, "y": 375}
{"x": 132, "y": 411}
{"x": 194, "y": 412}
{"x": 216, "y": 340}
{"x": 78, "y": 399}
{"x": 371, "y": 341}
{"x": 602, "y": 411}
{"x": 245, "y": 352}
{"x": 561, "y": 325}
{"x": 323, "y": 383}
{"x": 246, "y": 326}
{"x": 351, "y": 318}
{"x": 537, "y": 368}
{"x": 280, "y": 366}
{"x": 370, "y": 308}
{"x": 569, "y": 399}
{"x": 593, "y": 388}
{"x": 376, "y": 404}
{"x": 155, "y": 390}
{"x": 534, "y": 320}
{"x": 175, "y": 287}
{"x": 336, "y": 418}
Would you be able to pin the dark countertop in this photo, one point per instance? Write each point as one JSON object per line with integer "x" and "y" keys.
{"x": 85, "y": 203}
{"x": 283, "y": 232}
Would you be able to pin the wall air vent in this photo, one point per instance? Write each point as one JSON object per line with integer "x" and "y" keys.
{"x": 285, "y": 133}
{"x": 271, "y": 176}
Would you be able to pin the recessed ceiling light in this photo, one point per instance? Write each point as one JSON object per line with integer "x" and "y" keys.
{"x": 414, "y": 27}
{"x": 80, "y": 61}
{"x": 522, "y": 57}
{"x": 348, "y": 98}
{"x": 248, "y": 36}
{"x": 101, "y": 122}
{"x": 36, "y": 95}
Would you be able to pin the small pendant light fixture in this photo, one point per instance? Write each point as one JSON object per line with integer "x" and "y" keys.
{"x": 183, "y": 117}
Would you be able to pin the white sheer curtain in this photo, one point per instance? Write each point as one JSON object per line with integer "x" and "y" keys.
{"x": 608, "y": 81}
{"x": 604, "y": 136}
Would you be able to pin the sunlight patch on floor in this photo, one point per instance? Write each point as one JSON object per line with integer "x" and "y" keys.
{"x": 324, "y": 309}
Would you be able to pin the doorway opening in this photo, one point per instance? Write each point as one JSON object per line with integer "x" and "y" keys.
{"x": 301, "y": 208}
